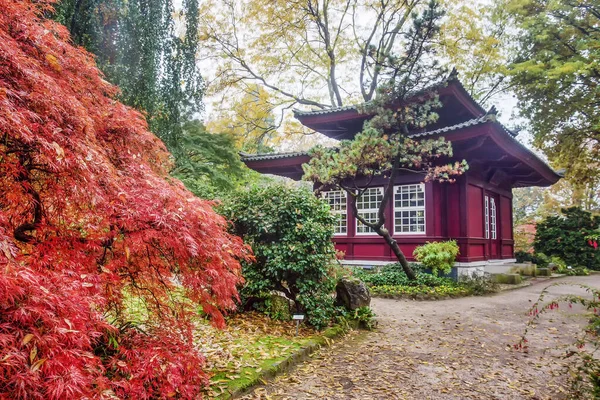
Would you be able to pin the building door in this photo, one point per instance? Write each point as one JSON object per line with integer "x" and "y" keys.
{"x": 491, "y": 225}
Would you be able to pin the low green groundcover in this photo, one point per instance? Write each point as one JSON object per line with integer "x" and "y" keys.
{"x": 421, "y": 290}
{"x": 390, "y": 281}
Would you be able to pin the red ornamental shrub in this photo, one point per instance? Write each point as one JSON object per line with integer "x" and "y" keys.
{"x": 88, "y": 213}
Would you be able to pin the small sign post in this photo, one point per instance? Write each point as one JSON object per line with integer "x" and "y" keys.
{"x": 298, "y": 318}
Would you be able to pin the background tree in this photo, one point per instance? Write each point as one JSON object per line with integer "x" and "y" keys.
{"x": 383, "y": 147}
{"x": 566, "y": 194}
{"x": 528, "y": 204}
{"x": 321, "y": 54}
{"x": 474, "y": 38}
{"x": 208, "y": 163}
{"x": 556, "y": 76}
{"x": 89, "y": 217}
{"x": 250, "y": 120}
{"x": 139, "y": 49}
{"x": 314, "y": 53}
{"x": 565, "y": 237}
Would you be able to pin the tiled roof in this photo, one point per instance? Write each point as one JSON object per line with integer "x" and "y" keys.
{"x": 490, "y": 117}
{"x": 270, "y": 156}
{"x": 333, "y": 110}
{"x": 472, "y": 122}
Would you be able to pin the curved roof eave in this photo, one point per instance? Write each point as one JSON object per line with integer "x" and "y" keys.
{"x": 512, "y": 146}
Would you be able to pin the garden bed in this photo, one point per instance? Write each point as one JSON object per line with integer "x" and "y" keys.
{"x": 419, "y": 292}
{"x": 253, "y": 348}
{"x": 392, "y": 282}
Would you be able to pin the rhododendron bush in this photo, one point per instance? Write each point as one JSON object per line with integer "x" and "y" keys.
{"x": 88, "y": 218}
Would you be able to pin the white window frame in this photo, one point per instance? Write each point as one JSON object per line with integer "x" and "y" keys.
{"x": 493, "y": 219}
{"x": 420, "y": 188}
{"x": 340, "y": 213}
{"x": 486, "y": 216}
{"x": 359, "y": 200}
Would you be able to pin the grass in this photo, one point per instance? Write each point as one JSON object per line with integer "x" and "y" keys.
{"x": 251, "y": 348}
{"x": 270, "y": 351}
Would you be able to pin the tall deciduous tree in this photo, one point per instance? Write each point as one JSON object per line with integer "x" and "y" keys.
{"x": 321, "y": 54}
{"x": 528, "y": 204}
{"x": 143, "y": 49}
{"x": 89, "y": 217}
{"x": 250, "y": 120}
{"x": 329, "y": 53}
{"x": 315, "y": 53}
{"x": 557, "y": 78}
{"x": 474, "y": 37}
{"x": 383, "y": 147}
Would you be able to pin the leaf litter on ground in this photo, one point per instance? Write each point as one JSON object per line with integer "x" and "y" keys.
{"x": 250, "y": 343}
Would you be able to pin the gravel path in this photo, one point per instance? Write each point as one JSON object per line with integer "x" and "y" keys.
{"x": 451, "y": 349}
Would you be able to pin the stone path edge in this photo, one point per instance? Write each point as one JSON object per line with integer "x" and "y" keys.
{"x": 293, "y": 360}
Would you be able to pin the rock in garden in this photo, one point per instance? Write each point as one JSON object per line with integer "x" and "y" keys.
{"x": 352, "y": 293}
{"x": 279, "y": 307}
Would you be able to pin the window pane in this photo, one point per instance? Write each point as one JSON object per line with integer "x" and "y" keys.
{"x": 338, "y": 204}
{"x": 368, "y": 206}
{"x": 409, "y": 209}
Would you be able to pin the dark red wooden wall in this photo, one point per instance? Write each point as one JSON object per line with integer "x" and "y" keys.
{"x": 452, "y": 211}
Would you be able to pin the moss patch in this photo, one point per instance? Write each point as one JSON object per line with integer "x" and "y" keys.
{"x": 508, "y": 279}
{"x": 254, "y": 348}
{"x": 524, "y": 269}
{"x": 544, "y": 272}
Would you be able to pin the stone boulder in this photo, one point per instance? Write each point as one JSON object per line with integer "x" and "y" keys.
{"x": 352, "y": 293}
{"x": 279, "y": 307}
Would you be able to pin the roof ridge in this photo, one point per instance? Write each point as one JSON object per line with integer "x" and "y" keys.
{"x": 452, "y": 77}
{"x": 471, "y": 122}
{"x": 270, "y": 156}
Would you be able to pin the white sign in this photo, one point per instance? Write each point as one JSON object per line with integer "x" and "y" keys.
{"x": 298, "y": 317}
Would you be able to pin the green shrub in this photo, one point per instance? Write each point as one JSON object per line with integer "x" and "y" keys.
{"x": 523, "y": 256}
{"x": 541, "y": 260}
{"x": 559, "y": 264}
{"x": 396, "y": 267}
{"x": 437, "y": 256}
{"x": 420, "y": 291}
{"x": 289, "y": 230}
{"x": 364, "y": 317}
{"x": 579, "y": 271}
{"x": 565, "y": 237}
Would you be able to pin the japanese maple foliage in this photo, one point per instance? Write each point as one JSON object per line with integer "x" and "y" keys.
{"x": 88, "y": 219}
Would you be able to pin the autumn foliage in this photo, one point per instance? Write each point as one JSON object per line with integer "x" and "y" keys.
{"x": 88, "y": 219}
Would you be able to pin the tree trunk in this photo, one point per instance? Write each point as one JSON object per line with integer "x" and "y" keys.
{"x": 385, "y": 234}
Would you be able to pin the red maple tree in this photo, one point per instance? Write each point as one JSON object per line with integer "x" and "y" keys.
{"x": 88, "y": 219}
